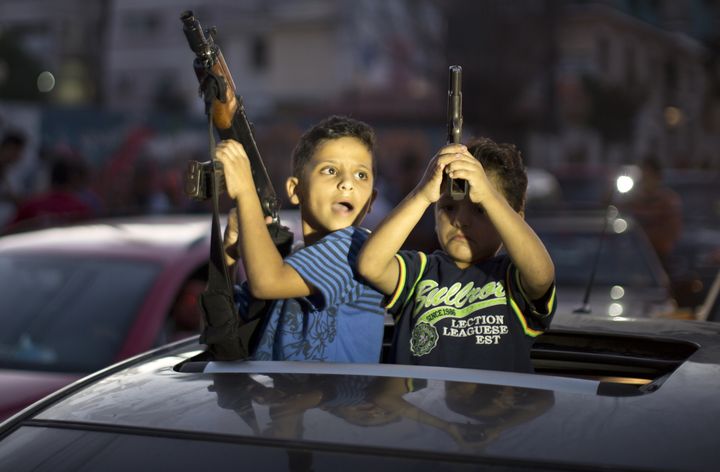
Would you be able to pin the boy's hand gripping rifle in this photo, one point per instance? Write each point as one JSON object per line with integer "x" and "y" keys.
{"x": 457, "y": 188}
{"x": 222, "y": 331}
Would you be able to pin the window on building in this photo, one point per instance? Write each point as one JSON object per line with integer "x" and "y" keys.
{"x": 630, "y": 72}
{"x": 603, "y": 54}
{"x": 124, "y": 89}
{"x": 259, "y": 53}
{"x": 670, "y": 75}
{"x": 142, "y": 23}
{"x": 167, "y": 95}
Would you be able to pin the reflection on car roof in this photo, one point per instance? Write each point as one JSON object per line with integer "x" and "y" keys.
{"x": 488, "y": 377}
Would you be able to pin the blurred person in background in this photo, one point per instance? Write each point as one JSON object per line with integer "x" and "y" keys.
{"x": 657, "y": 208}
{"x": 64, "y": 201}
{"x": 149, "y": 194}
{"x": 12, "y": 147}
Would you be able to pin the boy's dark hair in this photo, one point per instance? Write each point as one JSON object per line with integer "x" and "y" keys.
{"x": 333, "y": 127}
{"x": 505, "y": 161}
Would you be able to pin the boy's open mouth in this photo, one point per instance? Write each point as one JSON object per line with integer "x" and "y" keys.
{"x": 343, "y": 207}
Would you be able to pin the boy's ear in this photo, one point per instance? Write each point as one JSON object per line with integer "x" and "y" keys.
{"x": 291, "y": 187}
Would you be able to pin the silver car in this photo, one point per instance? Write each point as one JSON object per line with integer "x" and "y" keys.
{"x": 608, "y": 394}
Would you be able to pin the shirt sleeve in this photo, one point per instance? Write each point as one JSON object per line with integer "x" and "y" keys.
{"x": 329, "y": 264}
{"x": 411, "y": 266}
{"x": 534, "y": 315}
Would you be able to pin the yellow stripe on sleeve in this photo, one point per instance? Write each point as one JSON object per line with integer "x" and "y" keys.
{"x": 527, "y": 329}
{"x": 401, "y": 282}
{"x": 520, "y": 316}
{"x": 551, "y": 301}
{"x": 423, "y": 264}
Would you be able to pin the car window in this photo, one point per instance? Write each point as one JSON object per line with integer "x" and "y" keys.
{"x": 184, "y": 318}
{"x": 56, "y": 309}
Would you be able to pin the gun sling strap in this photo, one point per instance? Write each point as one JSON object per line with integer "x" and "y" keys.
{"x": 227, "y": 336}
{"x": 222, "y": 323}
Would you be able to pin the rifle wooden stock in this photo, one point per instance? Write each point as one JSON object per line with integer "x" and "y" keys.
{"x": 223, "y": 111}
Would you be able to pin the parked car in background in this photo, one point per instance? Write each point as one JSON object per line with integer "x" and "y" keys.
{"x": 81, "y": 297}
{"x": 585, "y": 187}
{"x": 609, "y": 253}
{"x": 608, "y": 394}
{"x": 543, "y": 190}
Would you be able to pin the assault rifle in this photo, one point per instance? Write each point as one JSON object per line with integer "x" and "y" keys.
{"x": 457, "y": 188}
{"x": 227, "y": 113}
{"x": 223, "y": 333}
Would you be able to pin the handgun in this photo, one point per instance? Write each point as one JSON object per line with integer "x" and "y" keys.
{"x": 457, "y": 188}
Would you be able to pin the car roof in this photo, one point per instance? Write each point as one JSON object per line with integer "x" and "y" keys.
{"x": 159, "y": 235}
{"x": 510, "y": 417}
{"x": 147, "y": 236}
{"x": 578, "y": 221}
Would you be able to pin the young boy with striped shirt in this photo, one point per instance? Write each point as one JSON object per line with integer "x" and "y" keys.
{"x": 321, "y": 311}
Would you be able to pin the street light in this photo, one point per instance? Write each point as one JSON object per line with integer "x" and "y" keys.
{"x": 624, "y": 183}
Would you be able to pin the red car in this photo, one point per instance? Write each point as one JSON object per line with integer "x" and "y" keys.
{"x": 81, "y": 297}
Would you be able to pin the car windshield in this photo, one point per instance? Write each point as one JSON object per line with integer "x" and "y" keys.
{"x": 622, "y": 259}
{"x": 64, "y": 307}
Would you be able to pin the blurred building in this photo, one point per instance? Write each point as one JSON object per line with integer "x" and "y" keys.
{"x": 132, "y": 54}
{"x": 282, "y": 55}
{"x": 65, "y": 39}
{"x": 626, "y": 88}
{"x": 592, "y": 83}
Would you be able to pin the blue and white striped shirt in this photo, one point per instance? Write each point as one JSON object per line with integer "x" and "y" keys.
{"x": 342, "y": 322}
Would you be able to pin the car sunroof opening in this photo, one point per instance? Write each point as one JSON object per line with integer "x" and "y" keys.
{"x": 639, "y": 363}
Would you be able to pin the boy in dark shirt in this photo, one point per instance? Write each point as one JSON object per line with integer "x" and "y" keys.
{"x": 465, "y": 305}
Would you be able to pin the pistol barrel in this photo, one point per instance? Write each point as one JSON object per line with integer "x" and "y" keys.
{"x": 455, "y": 118}
{"x": 457, "y": 188}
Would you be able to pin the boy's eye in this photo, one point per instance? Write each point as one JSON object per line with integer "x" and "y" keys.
{"x": 328, "y": 170}
{"x": 362, "y": 175}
